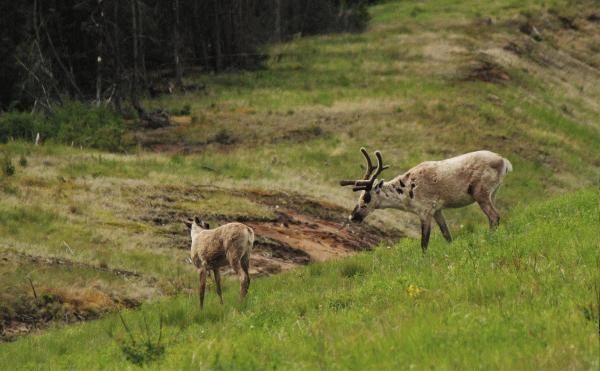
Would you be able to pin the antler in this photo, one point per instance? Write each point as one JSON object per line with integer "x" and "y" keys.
{"x": 370, "y": 169}
{"x": 367, "y": 182}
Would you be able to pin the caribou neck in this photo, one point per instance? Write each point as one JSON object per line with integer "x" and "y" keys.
{"x": 393, "y": 196}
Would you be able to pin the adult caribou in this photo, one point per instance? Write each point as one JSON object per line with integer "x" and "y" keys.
{"x": 430, "y": 187}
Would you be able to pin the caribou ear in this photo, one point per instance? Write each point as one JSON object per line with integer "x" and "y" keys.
{"x": 380, "y": 184}
{"x": 187, "y": 224}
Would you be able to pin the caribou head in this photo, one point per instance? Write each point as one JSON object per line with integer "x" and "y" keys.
{"x": 368, "y": 200}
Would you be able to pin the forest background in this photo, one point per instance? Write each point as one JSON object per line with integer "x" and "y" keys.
{"x": 107, "y": 50}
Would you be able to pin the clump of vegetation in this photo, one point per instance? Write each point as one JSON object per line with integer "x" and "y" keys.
{"x": 23, "y": 161}
{"x": 181, "y": 111}
{"x": 6, "y": 164}
{"x": 74, "y": 124}
{"x": 137, "y": 349}
{"x": 352, "y": 269}
{"x": 17, "y": 125}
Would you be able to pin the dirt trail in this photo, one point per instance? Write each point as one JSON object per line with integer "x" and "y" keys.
{"x": 299, "y": 237}
{"x": 298, "y": 231}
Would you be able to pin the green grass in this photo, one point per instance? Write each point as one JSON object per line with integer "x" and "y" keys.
{"x": 524, "y": 297}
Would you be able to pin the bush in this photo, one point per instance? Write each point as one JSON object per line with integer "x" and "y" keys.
{"x": 181, "y": 111}
{"x": 74, "y": 124}
{"x": 16, "y": 125}
{"x": 6, "y": 164}
{"x": 138, "y": 350}
{"x": 79, "y": 125}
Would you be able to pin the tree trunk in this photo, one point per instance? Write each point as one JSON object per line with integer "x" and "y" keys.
{"x": 100, "y": 27}
{"x": 200, "y": 32}
{"x": 134, "y": 81}
{"x": 68, "y": 74}
{"x": 217, "y": 42}
{"x": 141, "y": 50}
{"x": 176, "y": 45}
{"x": 278, "y": 21}
{"x": 117, "y": 60}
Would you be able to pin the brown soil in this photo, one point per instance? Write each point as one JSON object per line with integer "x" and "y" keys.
{"x": 299, "y": 237}
{"x": 304, "y": 231}
{"x": 301, "y": 231}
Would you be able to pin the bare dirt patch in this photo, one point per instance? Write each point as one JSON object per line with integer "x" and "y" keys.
{"x": 316, "y": 231}
{"x": 302, "y": 230}
{"x": 488, "y": 72}
{"x": 299, "y": 238}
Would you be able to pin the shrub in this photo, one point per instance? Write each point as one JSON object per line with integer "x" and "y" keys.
{"x": 7, "y": 166}
{"x": 23, "y": 161}
{"x": 333, "y": 16}
{"x": 138, "y": 350}
{"x": 16, "y": 125}
{"x": 351, "y": 269}
{"x": 73, "y": 124}
{"x": 181, "y": 111}
{"x": 83, "y": 126}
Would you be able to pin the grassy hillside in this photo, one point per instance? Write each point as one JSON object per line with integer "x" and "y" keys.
{"x": 424, "y": 83}
{"x": 522, "y": 298}
{"x": 94, "y": 233}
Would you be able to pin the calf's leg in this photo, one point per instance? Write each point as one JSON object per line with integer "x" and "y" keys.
{"x": 244, "y": 275}
{"x": 201, "y": 285}
{"x": 218, "y": 283}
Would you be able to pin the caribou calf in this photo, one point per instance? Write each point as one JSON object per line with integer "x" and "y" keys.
{"x": 212, "y": 249}
{"x": 432, "y": 186}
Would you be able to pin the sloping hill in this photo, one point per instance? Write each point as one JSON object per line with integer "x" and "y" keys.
{"x": 524, "y": 297}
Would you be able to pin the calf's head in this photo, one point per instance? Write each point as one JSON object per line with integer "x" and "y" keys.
{"x": 195, "y": 225}
{"x": 369, "y": 198}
